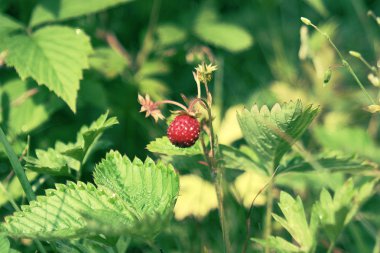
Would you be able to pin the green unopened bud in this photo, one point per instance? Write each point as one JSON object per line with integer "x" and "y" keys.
{"x": 327, "y": 77}
{"x": 306, "y": 21}
{"x": 355, "y": 54}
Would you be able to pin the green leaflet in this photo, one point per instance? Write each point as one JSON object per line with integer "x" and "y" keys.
{"x": 164, "y": 147}
{"x": 228, "y": 36}
{"x": 70, "y": 156}
{"x": 54, "y": 56}
{"x": 132, "y": 197}
{"x": 54, "y": 10}
{"x": 270, "y": 133}
{"x": 295, "y": 223}
{"x": 7, "y": 24}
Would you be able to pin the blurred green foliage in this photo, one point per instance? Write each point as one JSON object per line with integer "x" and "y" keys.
{"x": 264, "y": 55}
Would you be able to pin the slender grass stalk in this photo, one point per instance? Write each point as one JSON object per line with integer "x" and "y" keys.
{"x": 20, "y": 173}
{"x": 17, "y": 167}
{"x": 331, "y": 247}
{"x": 343, "y": 60}
{"x": 268, "y": 216}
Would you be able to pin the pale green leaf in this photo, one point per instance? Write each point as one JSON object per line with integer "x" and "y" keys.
{"x": 55, "y": 10}
{"x": 70, "y": 156}
{"x": 163, "y": 146}
{"x": 54, "y": 56}
{"x": 133, "y": 198}
{"x": 26, "y": 106}
{"x": 157, "y": 182}
{"x": 170, "y": 34}
{"x": 270, "y": 133}
{"x": 342, "y": 139}
{"x": 153, "y": 87}
{"x": 295, "y": 220}
{"x": 279, "y": 244}
{"x": 225, "y": 35}
{"x": 234, "y": 158}
{"x": 108, "y": 62}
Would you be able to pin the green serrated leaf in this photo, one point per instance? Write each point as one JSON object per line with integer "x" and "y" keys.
{"x": 108, "y": 62}
{"x": 131, "y": 197}
{"x": 295, "y": 219}
{"x": 163, "y": 146}
{"x": 64, "y": 157}
{"x": 270, "y": 133}
{"x": 157, "y": 181}
{"x": 55, "y": 10}
{"x": 54, "y": 56}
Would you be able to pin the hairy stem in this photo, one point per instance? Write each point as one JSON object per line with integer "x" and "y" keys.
{"x": 217, "y": 173}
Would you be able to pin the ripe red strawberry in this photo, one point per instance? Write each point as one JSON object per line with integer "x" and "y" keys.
{"x": 184, "y": 131}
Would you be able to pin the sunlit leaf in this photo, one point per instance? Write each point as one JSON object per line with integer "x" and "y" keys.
{"x": 54, "y": 10}
{"x": 54, "y": 56}
{"x": 163, "y": 146}
{"x": 170, "y": 34}
{"x": 270, "y": 133}
{"x": 70, "y": 156}
{"x": 128, "y": 196}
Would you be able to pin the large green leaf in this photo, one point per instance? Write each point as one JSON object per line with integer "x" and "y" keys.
{"x": 234, "y": 158}
{"x": 70, "y": 156}
{"x": 130, "y": 198}
{"x": 54, "y": 10}
{"x": 54, "y": 56}
{"x": 270, "y": 133}
{"x": 158, "y": 182}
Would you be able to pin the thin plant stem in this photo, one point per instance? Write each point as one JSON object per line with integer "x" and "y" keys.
{"x": 17, "y": 167}
{"x": 20, "y": 173}
{"x": 217, "y": 173}
{"x": 268, "y": 216}
{"x": 171, "y": 102}
{"x": 148, "y": 40}
{"x": 369, "y": 66}
{"x": 345, "y": 63}
{"x": 331, "y": 247}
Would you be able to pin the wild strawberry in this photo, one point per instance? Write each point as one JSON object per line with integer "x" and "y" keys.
{"x": 184, "y": 131}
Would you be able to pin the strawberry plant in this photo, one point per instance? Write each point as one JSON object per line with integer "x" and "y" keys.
{"x": 187, "y": 126}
